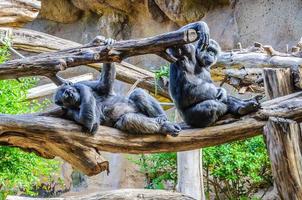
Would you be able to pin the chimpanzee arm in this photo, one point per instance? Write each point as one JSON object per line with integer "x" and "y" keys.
{"x": 188, "y": 50}
{"x": 108, "y": 74}
{"x": 87, "y": 113}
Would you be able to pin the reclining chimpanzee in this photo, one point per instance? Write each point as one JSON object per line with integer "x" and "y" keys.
{"x": 93, "y": 103}
{"x": 198, "y": 100}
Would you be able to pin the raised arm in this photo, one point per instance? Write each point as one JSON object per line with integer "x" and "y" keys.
{"x": 106, "y": 81}
{"x": 188, "y": 50}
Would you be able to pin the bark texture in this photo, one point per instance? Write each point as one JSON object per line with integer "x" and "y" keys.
{"x": 283, "y": 139}
{"x": 18, "y": 12}
{"x": 50, "y": 136}
{"x": 123, "y": 194}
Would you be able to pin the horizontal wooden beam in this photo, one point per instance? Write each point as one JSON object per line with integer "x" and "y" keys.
{"x": 38, "y": 42}
{"x": 48, "y": 89}
{"x": 256, "y": 59}
{"x": 122, "y": 194}
{"x": 48, "y": 64}
{"x": 53, "y": 136}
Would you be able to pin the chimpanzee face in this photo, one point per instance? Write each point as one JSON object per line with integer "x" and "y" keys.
{"x": 67, "y": 96}
{"x": 208, "y": 56}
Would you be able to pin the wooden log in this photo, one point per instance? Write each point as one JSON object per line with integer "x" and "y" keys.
{"x": 48, "y": 89}
{"x": 38, "y": 42}
{"x": 52, "y": 136}
{"x": 18, "y": 12}
{"x": 249, "y": 78}
{"x": 278, "y": 82}
{"x": 189, "y": 174}
{"x": 256, "y": 59}
{"x": 283, "y": 139}
{"x": 122, "y": 194}
{"x": 48, "y": 64}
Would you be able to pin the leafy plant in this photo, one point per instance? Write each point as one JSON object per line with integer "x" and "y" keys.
{"x": 159, "y": 169}
{"x": 238, "y": 169}
{"x": 21, "y": 172}
{"x": 235, "y": 170}
{"x": 163, "y": 71}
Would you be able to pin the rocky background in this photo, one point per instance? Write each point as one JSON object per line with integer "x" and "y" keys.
{"x": 231, "y": 21}
{"x": 274, "y": 22}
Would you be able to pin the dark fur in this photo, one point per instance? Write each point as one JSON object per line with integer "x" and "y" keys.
{"x": 91, "y": 103}
{"x": 198, "y": 100}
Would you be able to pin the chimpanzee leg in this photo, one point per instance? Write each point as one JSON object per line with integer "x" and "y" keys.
{"x": 147, "y": 104}
{"x": 242, "y": 107}
{"x": 204, "y": 114}
{"x": 140, "y": 123}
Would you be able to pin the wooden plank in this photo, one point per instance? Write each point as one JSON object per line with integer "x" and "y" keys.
{"x": 48, "y": 89}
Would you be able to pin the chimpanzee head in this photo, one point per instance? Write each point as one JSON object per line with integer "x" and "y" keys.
{"x": 208, "y": 56}
{"x": 67, "y": 96}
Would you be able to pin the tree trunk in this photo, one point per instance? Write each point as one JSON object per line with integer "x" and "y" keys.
{"x": 283, "y": 139}
{"x": 190, "y": 175}
{"x": 278, "y": 82}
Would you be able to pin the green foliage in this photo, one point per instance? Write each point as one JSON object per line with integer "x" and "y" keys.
{"x": 159, "y": 169}
{"x": 163, "y": 71}
{"x": 237, "y": 169}
{"x": 21, "y": 172}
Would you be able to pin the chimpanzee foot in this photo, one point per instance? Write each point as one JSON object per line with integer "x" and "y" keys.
{"x": 170, "y": 128}
{"x": 251, "y": 105}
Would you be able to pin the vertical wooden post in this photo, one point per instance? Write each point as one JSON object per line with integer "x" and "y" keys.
{"x": 277, "y": 82}
{"x": 189, "y": 171}
{"x": 283, "y": 138}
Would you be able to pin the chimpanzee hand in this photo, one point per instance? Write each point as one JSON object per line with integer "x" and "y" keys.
{"x": 221, "y": 95}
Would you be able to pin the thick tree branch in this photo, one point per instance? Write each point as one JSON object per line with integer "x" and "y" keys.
{"x": 52, "y": 136}
{"x": 38, "y": 42}
{"x": 256, "y": 59}
{"x": 123, "y": 194}
{"x": 48, "y": 64}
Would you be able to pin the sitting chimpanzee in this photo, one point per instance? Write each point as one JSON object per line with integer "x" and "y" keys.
{"x": 91, "y": 103}
{"x": 198, "y": 100}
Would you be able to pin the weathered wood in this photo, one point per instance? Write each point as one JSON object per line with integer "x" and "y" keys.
{"x": 189, "y": 174}
{"x": 256, "y": 59}
{"x": 18, "y": 12}
{"x": 48, "y": 64}
{"x": 48, "y": 89}
{"x": 53, "y": 136}
{"x": 38, "y": 42}
{"x": 278, "y": 82}
{"x": 283, "y": 139}
{"x": 123, "y": 194}
{"x": 249, "y": 79}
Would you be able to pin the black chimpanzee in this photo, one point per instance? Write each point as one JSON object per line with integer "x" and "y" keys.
{"x": 198, "y": 100}
{"x": 91, "y": 103}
